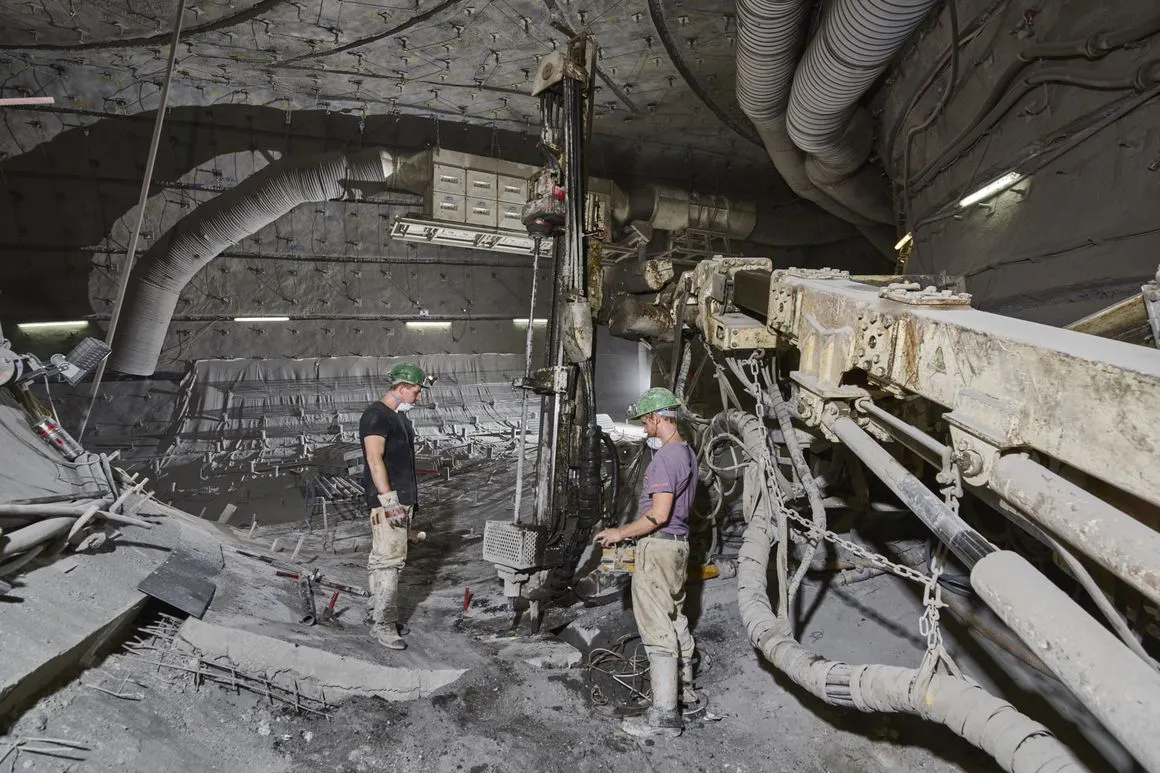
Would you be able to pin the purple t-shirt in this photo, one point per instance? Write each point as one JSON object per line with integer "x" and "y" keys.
{"x": 673, "y": 470}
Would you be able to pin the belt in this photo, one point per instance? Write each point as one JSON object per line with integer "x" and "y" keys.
{"x": 667, "y": 535}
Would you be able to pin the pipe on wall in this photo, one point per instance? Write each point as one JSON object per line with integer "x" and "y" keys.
{"x": 163, "y": 272}
{"x": 856, "y": 42}
{"x": 673, "y": 209}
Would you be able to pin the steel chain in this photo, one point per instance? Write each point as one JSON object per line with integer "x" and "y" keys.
{"x": 754, "y": 364}
{"x": 874, "y": 559}
{"x": 928, "y": 624}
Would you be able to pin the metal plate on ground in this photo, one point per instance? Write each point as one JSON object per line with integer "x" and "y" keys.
{"x": 182, "y": 582}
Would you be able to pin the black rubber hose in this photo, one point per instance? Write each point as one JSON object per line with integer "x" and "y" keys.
{"x": 805, "y": 476}
{"x": 614, "y": 488}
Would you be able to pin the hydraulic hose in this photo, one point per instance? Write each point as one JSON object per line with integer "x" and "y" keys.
{"x": 1018, "y": 743}
{"x": 614, "y": 488}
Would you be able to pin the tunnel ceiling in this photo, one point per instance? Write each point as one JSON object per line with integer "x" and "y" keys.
{"x": 665, "y": 69}
{"x": 257, "y": 80}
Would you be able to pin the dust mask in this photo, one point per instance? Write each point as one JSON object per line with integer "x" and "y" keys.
{"x": 655, "y": 443}
{"x": 404, "y": 407}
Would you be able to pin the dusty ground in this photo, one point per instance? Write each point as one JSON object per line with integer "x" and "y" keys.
{"x": 503, "y": 714}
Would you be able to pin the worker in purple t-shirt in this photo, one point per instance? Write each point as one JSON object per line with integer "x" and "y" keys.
{"x": 662, "y": 555}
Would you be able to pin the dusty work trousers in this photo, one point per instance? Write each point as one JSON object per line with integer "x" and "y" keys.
{"x": 388, "y": 555}
{"x": 658, "y": 597}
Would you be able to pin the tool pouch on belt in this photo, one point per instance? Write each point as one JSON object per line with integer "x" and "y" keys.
{"x": 388, "y": 543}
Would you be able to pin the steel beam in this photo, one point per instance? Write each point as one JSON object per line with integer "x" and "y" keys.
{"x": 1116, "y": 686}
{"x": 1088, "y": 402}
{"x": 1113, "y": 539}
{"x": 964, "y": 542}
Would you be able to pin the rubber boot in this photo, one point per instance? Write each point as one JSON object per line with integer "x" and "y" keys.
{"x": 386, "y": 611}
{"x": 369, "y": 619}
{"x": 664, "y": 719}
{"x": 373, "y": 587}
{"x": 691, "y": 701}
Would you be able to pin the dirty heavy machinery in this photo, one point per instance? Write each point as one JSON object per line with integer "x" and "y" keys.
{"x": 547, "y": 541}
{"x": 1024, "y": 451}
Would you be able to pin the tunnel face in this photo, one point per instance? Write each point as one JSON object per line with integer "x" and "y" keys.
{"x": 266, "y": 206}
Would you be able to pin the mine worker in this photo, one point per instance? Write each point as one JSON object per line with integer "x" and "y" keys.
{"x": 388, "y": 442}
{"x": 662, "y": 554}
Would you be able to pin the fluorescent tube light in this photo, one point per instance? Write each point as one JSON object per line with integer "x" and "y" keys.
{"x": 21, "y": 101}
{"x": 524, "y": 321}
{"x": 992, "y": 188}
{"x": 261, "y": 319}
{"x": 430, "y": 325}
{"x": 905, "y": 240}
{"x": 75, "y": 324}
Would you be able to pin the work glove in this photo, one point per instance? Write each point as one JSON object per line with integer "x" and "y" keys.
{"x": 395, "y": 512}
{"x": 397, "y": 516}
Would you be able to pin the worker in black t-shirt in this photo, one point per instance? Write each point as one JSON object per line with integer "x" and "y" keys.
{"x": 388, "y": 442}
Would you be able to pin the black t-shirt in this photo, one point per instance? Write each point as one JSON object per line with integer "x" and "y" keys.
{"x": 398, "y": 453}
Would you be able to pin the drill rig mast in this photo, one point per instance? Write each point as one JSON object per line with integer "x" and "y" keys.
{"x": 567, "y": 473}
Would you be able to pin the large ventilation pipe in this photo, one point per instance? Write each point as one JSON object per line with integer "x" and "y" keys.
{"x": 164, "y": 271}
{"x": 769, "y": 35}
{"x": 856, "y": 42}
{"x": 673, "y": 209}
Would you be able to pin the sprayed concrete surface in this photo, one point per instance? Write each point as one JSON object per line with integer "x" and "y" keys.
{"x": 506, "y": 713}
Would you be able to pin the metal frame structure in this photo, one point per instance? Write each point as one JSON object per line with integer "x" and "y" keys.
{"x": 568, "y": 487}
{"x": 1052, "y": 426}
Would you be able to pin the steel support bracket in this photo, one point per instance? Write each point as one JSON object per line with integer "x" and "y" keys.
{"x": 814, "y": 273}
{"x": 1151, "y": 295}
{"x": 913, "y": 294}
{"x": 782, "y": 309}
{"x": 732, "y": 331}
{"x": 874, "y": 343}
{"x": 816, "y": 400}
{"x": 545, "y": 381}
{"x": 981, "y": 428}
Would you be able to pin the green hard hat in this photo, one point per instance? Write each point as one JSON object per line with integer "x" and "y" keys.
{"x": 406, "y": 373}
{"x": 656, "y": 399}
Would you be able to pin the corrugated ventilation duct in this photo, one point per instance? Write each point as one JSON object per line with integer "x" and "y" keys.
{"x": 856, "y": 42}
{"x": 163, "y": 272}
{"x": 769, "y": 36}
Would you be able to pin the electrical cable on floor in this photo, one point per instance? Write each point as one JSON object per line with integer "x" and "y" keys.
{"x": 628, "y": 672}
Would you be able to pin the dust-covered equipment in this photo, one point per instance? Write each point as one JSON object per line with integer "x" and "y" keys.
{"x": 874, "y": 395}
{"x": 517, "y": 550}
{"x": 550, "y": 539}
{"x": 18, "y": 371}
